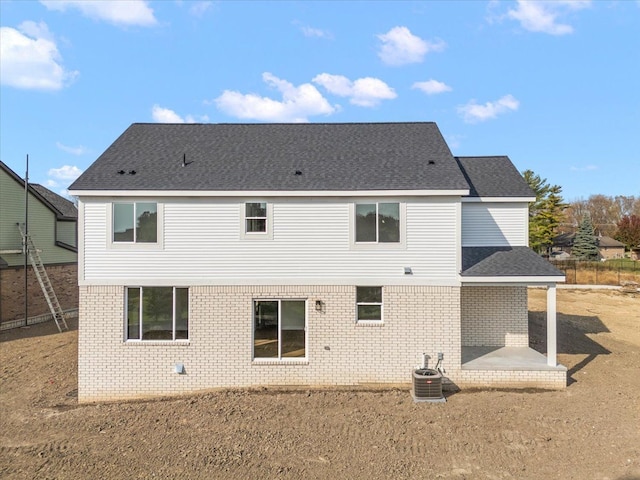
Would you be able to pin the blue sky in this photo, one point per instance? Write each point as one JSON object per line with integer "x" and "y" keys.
{"x": 554, "y": 85}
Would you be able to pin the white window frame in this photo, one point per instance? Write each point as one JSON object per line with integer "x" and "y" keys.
{"x": 401, "y": 245}
{"x": 158, "y": 245}
{"x": 266, "y": 235}
{"x": 173, "y": 324}
{"x": 381, "y": 303}
{"x": 280, "y": 358}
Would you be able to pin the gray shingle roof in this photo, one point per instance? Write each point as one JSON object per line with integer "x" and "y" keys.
{"x": 254, "y": 157}
{"x": 505, "y": 262}
{"x": 64, "y": 206}
{"x": 493, "y": 177}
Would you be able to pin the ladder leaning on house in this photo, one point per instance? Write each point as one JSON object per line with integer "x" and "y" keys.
{"x": 43, "y": 280}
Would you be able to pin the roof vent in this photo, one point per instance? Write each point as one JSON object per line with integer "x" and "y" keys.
{"x": 298, "y": 172}
{"x": 132, "y": 172}
{"x": 432, "y": 162}
{"x": 121, "y": 172}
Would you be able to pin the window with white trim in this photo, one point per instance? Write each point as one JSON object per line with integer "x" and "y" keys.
{"x": 157, "y": 313}
{"x": 135, "y": 222}
{"x": 369, "y": 304}
{"x": 255, "y": 217}
{"x": 377, "y": 222}
{"x": 279, "y": 329}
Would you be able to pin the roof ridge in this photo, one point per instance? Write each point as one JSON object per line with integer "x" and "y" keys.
{"x": 288, "y": 123}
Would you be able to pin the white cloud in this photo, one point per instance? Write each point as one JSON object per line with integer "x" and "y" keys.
{"x": 400, "y": 47}
{"x": 79, "y": 150}
{"x": 117, "y": 12}
{"x": 66, "y": 173}
{"x": 166, "y": 115}
{"x": 454, "y": 140}
{"x": 313, "y": 32}
{"x": 432, "y": 87}
{"x": 542, "y": 16}
{"x": 29, "y": 58}
{"x": 198, "y": 9}
{"x": 474, "y": 113}
{"x": 297, "y": 104}
{"x": 364, "y": 92}
{"x": 316, "y": 32}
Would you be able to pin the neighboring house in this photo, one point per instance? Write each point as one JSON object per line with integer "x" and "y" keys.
{"x": 52, "y": 224}
{"x": 232, "y": 255}
{"x": 608, "y": 248}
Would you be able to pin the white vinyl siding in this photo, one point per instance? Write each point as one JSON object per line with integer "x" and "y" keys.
{"x": 311, "y": 243}
{"x": 494, "y": 224}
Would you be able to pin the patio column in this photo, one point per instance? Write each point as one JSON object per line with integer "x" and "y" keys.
{"x": 552, "y": 337}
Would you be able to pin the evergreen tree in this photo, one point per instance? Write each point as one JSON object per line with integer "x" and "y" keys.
{"x": 545, "y": 213}
{"x": 585, "y": 243}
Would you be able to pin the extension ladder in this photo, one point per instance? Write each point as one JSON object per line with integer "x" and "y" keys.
{"x": 43, "y": 280}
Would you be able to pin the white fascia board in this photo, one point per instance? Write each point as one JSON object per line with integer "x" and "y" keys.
{"x": 197, "y": 281}
{"x": 498, "y": 199}
{"x": 267, "y": 193}
{"x": 497, "y": 281}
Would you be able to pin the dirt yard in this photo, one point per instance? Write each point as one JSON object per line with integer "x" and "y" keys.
{"x": 589, "y": 431}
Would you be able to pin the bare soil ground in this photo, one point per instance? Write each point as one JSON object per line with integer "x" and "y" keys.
{"x": 589, "y": 431}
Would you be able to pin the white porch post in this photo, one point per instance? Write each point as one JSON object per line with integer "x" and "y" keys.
{"x": 552, "y": 347}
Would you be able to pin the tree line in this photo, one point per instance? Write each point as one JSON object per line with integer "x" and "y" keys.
{"x": 617, "y": 217}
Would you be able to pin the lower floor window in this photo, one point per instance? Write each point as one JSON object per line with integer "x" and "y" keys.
{"x": 369, "y": 303}
{"x": 279, "y": 328}
{"x": 157, "y": 313}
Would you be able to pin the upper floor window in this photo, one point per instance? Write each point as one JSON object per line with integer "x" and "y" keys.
{"x": 135, "y": 222}
{"x": 378, "y": 222}
{"x": 157, "y": 313}
{"x": 256, "y": 217}
{"x": 256, "y": 220}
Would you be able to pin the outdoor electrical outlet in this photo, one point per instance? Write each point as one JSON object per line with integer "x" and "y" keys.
{"x": 440, "y": 355}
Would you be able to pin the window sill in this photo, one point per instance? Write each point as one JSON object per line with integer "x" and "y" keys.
{"x": 284, "y": 361}
{"x": 163, "y": 343}
{"x": 370, "y": 323}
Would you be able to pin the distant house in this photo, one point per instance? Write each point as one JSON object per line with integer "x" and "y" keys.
{"x": 303, "y": 254}
{"x": 608, "y": 248}
{"x": 53, "y": 224}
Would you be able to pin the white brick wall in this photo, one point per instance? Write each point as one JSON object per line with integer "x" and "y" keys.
{"x": 219, "y": 351}
{"x": 494, "y": 316}
{"x": 548, "y": 379}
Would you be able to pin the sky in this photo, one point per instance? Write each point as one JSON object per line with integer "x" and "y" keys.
{"x": 553, "y": 85}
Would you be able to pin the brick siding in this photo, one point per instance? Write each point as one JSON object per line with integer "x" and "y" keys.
{"x": 64, "y": 279}
{"x": 494, "y": 316}
{"x": 219, "y": 351}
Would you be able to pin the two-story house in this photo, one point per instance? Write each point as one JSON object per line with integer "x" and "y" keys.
{"x": 228, "y": 255}
{"x": 53, "y": 227}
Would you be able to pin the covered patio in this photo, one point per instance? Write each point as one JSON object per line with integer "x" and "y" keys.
{"x": 494, "y": 319}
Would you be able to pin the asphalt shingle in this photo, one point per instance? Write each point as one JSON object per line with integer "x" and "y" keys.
{"x": 493, "y": 177}
{"x": 505, "y": 262}
{"x": 64, "y": 206}
{"x": 265, "y": 157}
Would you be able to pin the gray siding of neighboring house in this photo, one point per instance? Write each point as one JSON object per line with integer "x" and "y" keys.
{"x": 42, "y": 225}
